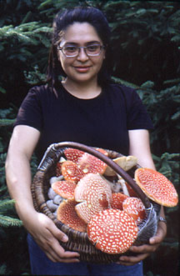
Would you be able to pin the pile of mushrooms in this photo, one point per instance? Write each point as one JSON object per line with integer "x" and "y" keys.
{"x": 89, "y": 196}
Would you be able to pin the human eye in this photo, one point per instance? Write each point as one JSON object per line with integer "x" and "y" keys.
{"x": 93, "y": 48}
{"x": 70, "y": 49}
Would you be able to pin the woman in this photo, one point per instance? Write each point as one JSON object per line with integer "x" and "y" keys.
{"x": 84, "y": 107}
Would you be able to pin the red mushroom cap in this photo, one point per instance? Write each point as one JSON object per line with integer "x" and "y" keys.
{"x": 112, "y": 231}
{"x": 73, "y": 154}
{"x": 95, "y": 195}
{"x": 135, "y": 208}
{"x": 71, "y": 172}
{"x": 117, "y": 200}
{"x": 131, "y": 191}
{"x": 66, "y": 214}
{"x": 91, "y": 164}
{"x": 64, "y": 188}
{"x": 156, "y": 186}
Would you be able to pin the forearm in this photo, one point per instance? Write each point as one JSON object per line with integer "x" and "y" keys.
{"x": 18, "y": 177}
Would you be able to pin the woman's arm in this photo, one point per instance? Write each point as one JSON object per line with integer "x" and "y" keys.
{"x": 18, "y": 176}
{"x": 140, "y": 147}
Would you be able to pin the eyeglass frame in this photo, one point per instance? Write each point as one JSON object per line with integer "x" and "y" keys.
{"x": 82, "y": 47}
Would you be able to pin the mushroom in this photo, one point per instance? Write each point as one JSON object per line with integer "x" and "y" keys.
{"x": 156, "y": 186}
{"x": 125, "y": 162}
{"x": 122, "y": 182}
{"x": 131, "y": 190}
{"x": 73, "y": 154}
{"x": 66, "y": 214}
{"x": 117, "y": 200}
{"x": 94, "y": 194}
{"x": 112, "y": 231}
{"x": 91, "y": 164}
{"x": 58, "y": 166}
{"x": 135, "y": 208}
{"x": 55, "y": 179}
{"x": 64, "y": 188}
{"x": 71, "y": 172}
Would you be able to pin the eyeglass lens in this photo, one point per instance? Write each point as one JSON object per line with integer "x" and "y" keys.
{"x": 90, "y": 50}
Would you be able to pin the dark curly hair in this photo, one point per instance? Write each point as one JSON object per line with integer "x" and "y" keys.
{"x": 66, "y": 18}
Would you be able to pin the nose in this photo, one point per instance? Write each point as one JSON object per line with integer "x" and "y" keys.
{"x": 82, "y": 55}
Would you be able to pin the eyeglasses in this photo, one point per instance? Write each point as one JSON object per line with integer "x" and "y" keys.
{"x": 73, "y": 51}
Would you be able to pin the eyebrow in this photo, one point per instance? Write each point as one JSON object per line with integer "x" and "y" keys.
{"x": 88, "y": 43}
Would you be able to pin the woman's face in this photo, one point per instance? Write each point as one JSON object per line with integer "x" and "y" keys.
{"x": 82, "y": 68}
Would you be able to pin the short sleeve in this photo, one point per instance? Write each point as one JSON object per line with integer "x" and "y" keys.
{"x": 137, "y": 115}
{"x": 30, "y": 111}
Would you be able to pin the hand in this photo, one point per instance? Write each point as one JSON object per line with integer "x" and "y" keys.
{"x": 47, "y": 236}
{"x": 145, "y": 250}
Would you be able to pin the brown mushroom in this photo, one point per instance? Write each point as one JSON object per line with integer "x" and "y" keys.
{"x": 64, "y": 188}
{"x": 66, "y": 214}
{"x": 117, "y": 200}
{"x": 135, "y": 208}
{"x": 112, "y": 231}
{"x": 125, "y": 162}
{"x": 95, "y": 195}
{"x": 156, "y": 186}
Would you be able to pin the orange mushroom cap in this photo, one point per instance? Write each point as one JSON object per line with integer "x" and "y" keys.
{"x": 95, "y": 195}
{"x": 66, "y": 214}
{"x": 156, "y": 186}
{"x": 71, "y": 172}
{"x": 112, "y": 231}
{"x": 117, "y": 200}
{"x": 135, "y": 208}
{"x": 64, "y": 188}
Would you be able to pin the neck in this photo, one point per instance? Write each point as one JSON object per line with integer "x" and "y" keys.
{"x": 82, "y": 90}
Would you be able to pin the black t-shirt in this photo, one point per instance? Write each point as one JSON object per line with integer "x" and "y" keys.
{"x": 103, "y": 121}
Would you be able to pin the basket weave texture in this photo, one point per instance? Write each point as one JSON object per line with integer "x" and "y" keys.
{"x": 79, "y": 241}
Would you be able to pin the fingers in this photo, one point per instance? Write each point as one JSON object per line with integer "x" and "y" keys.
{"x": 62, "y": 255}
{"x": 55, "y": 252}
{"x": 67, "y": 257}
{"x": 160, "y": 235}
{"x": 61, "y": 236}
{"x": 142, "y": 252}
{"x": 132, "y": 260}
{"x": 145, "y": 250}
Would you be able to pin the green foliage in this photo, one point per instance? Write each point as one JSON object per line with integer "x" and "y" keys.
{"x": 163, "y": 107}
{"x": 6, "y": 221}
{"x": 146, "y": 53}
{"x": 145, "y": 37}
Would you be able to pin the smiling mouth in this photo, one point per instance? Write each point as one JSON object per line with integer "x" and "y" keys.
{"x": 82, "y": 69}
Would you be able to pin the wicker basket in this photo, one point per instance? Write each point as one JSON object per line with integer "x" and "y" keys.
{"x": 78, "y": 241}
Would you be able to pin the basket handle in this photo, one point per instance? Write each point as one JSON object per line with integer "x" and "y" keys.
{"x": 110, "y": 163}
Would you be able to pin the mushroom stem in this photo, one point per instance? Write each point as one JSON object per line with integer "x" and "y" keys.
{"x": 123, "y": 185}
